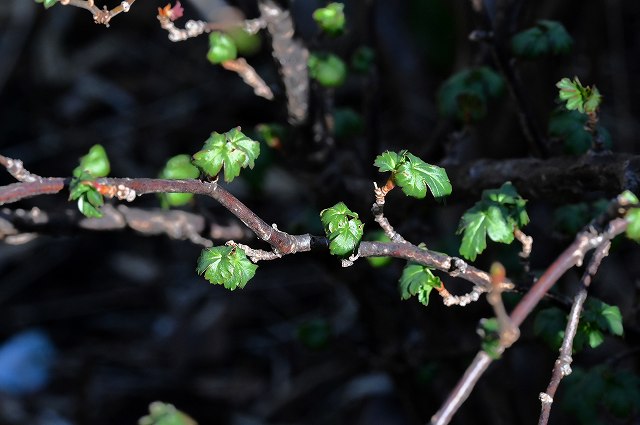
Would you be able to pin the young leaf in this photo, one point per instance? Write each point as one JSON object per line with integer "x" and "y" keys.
{"x": 233, "y": 150}
{"x": 343, "y": 229}
{"x": 95, "y": 163}
{"x": 327, "y": 69}
{"x": 549, "y": 325}
{"x": 546, "y": 38}
{"x": 633, "y": 228}
{"x": 497, "y": 215}
{"x": 165, "y": 414}
{"x": 418, "y": 280}
{"x": 388, "y": 161}
{"x": 584, "y": 99}
{"x": 226, "y": 265}
{"x": 178, "y": 167}
{"x": 414, "y": 175}
{"x": 221, "y": 48}
{"x": 47, "y": 3}
{"x": 330, "y": 18}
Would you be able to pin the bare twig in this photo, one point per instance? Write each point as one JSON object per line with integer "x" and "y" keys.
{"x": 527, "y": 244}
{"x": 562, "y": 365}
{"x": 378, "y": 211}
{"x": 509, "y": 333}
{"x": 100, "y": 16}
{"x": 17, "y": 170}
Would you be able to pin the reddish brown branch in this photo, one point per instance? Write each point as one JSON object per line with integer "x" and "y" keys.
{"x": 100, "y": 16}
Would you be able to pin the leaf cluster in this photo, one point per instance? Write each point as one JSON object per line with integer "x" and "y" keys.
{"x": 231, "y": 150}
{"x": 489, "y": 331}
{"x": 418, "y": 280}
{"x": 465, "y": 95}
{"x": 227, "y": 266}
{"x": 327, "y": 69}
{"x": 545, "y": 38}
{"x": 584, "y": 99}
{"x": 343, "y": 228}
{"x": 597, "y": 318}
{"x": 497, "y": 215}
{"x": 413, "y": 175}
{"x": 632, "y": 217}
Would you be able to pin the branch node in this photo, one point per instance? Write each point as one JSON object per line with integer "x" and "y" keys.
{"x": 545, "y": 398}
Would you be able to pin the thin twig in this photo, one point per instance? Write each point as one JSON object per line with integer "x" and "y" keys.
{"x": 509, "y": 333}
{"x": 249, "y": 75}
{"x": 562, "y": 365}
{"x": 378, "y": 211}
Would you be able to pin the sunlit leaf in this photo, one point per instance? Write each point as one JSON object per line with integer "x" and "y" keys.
{"x": 226, "y": 265}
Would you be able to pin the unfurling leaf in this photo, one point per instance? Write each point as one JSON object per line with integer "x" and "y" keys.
{"x": 233, "y": 150}
{"x": 413, "y": 175}
{"x": 343, "y": 228}
{"x": 497, "y": 215}
{"x": 330, "y": 18}
{"x": 583, "y": 99}
{"x": 546, "y": 38}
{"x": 226, "y": 265}
{"x": 418, "y": 280}
{"x": 178, "y": 167}
{"x": 81, "y": 189}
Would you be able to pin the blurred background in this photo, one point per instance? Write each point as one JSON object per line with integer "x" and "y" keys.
{"x": 95, "y": 325}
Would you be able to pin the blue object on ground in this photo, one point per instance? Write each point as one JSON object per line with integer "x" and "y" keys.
{"x": 25, "y": 361}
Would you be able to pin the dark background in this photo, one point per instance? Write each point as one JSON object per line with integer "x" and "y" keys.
{"x": 133, "y": 323}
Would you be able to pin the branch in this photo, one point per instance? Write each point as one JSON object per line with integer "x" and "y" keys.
{"x": 176, "y": 224}
{"x": 570, "y": 257}
{"x": 100, "y": 16}
{"x": 558, "y": 179}
{"x": 562, "y": 366}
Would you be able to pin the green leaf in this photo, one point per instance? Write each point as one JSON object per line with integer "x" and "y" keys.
{"x": 343, "y": 228}
{"x": 418, "y": 280}
{"x": 546, "y": 38}
{"x": 327, "y": 69}
{"x": 331, "y": 18}
{"x": 47, "y": 3}
{"x": 388, "y": 161}
{"x": 414, "y": 175}
{"x": 226, "y": 265}
{"x": 569, "y": 219}
{"x": 95, "y": 163}
{"x": 176, "y": 168}
{"x": 496, "y": 215}
{"x": 578, "y": 97}
{"x": 569, "y": 126}
{"x": 221, "y": 48}
{"x": 87, "y": 208}
{"x": 629, "y": 197}
{"x": 233, "y": 150}
{"x": 633, "y": 228}
{"x": 165, "y": 414}
{"x": 465, "y": 95}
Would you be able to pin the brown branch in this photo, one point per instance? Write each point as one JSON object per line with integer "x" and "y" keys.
{"x": 570, "y": 257}
{"x": 100, "y": 16}
{"x": 562, "y": 365}
{"x": 378, "y": 211}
